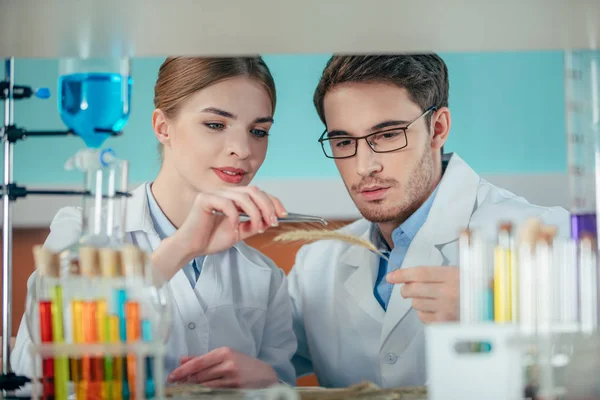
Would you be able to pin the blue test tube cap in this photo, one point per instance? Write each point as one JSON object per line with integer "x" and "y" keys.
{"x": 42, "y": 93}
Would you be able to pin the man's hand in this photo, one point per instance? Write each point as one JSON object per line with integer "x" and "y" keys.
{"x": 225, "y": 368}
{"x": 434, "y": 291}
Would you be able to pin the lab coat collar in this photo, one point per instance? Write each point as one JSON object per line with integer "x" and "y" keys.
{"x": 137, "y": 216}
{"x": 454, "y": 203}
{"x": 361, "y": 280}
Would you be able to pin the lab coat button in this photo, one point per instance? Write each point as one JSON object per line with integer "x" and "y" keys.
{"x": 192, "y": 326}
{"x": 391, "y": 358}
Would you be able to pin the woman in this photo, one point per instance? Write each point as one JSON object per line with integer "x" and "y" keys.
{"x": 232, "y": 318}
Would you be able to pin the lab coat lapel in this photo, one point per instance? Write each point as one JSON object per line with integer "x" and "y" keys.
{"x": 362, "y": 266}
{"x": 450, "y": 213}
{"x": 137, "y": 214}
{"x": 420, "y": 252}
{"x": 139, "y": 221}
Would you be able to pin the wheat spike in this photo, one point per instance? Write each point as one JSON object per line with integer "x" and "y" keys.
{"x": 312, "y": 235}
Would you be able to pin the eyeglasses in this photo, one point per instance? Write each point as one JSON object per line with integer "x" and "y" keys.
{"x": 384, "y": 141}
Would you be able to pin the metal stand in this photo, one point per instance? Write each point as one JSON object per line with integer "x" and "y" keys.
{"x": 10, "y": 134}
{"x": 10, "y": 381}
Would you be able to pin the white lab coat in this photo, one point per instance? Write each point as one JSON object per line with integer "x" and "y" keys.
{"x": 344, "y": 335}
{"x": 240, "y": 300}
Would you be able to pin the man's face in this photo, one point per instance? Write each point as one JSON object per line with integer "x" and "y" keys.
{"x": 386, "y": 187}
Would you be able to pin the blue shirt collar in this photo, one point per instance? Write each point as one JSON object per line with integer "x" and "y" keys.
{"x": 407, "y": 231}
{"x": 162, "y": 225}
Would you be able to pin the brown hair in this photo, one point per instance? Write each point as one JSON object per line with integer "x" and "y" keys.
{"x": 181, "y": 77}
{"x": 424, "y": 76}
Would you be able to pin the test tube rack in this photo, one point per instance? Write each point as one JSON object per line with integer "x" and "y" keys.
{"x": 139, "y": 350}
{"x": 98, "y": 322}
{"x": 529, "y": 353}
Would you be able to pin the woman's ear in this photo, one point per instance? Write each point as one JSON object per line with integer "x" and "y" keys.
{"x": 160, "y": 124}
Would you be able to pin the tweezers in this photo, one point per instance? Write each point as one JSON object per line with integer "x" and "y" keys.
{"x": 291, "y": 217}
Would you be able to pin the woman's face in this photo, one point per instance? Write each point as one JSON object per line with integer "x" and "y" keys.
{"x": 219, "y": 136}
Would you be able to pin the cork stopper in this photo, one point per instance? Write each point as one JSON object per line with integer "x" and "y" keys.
{"x": 548, "y": 233}
{"x": 88, "y": 262}
{"x": 46, "y": 262}
{"x": 529, "y": 232}
{"x": 466, "y": 235}
{"x": 587, "y": 241}
{"x": 110, "y": 263}
{"x": 133, "y": 260}
{"x": 506, "y": 227}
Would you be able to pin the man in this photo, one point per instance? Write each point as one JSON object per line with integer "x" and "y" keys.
{"x": 352, "y": 323}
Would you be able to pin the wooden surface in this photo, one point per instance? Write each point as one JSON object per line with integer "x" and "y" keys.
{"x": 24, "y": 239}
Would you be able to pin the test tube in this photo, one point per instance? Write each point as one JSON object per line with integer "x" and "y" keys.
{"x": 565, "y": 285}
{"x": 467, "y": 315}
{"x": 134, "y": 268}
{"x": 119, "y": 362}
{"x": 527, "y": 278}
{"x": 134, "y": 324}
{"x": 544, "y": 282}
{"x": 476, "y": 304}
{"x": 48, "y": 274}
{"x": 503, "y": 271}
{"x": 545, "y": 341}
{"x": 483, "y": 272}
{"x": 110, "y": 266}
{"x": 527, "y": 289}
{"x": 92, "y": 366}
{"x": 75, "y": 288}
{"x": 124, "y": 186}
{"x": 588, "y": 278}
{"x": 147, "y": 337}
{"x": 134, "y": 265}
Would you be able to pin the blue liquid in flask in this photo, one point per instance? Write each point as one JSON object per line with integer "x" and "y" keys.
{"x": 90, "y": 101}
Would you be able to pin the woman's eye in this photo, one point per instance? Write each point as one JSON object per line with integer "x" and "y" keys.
{"x": 259, "y": 133}
{"x": 214, "y": 126}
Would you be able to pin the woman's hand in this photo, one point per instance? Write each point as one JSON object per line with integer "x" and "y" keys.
{"x": 225, "y": 367}
{"x": 206, "y": 233}
{"x": 203, "y": 232}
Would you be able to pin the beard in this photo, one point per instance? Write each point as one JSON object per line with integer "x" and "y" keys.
{"x": 415, "y": 193}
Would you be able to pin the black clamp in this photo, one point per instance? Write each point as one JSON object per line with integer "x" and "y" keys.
{"x": 11, "y": 382}
{"x": 20, "y": 92}
{"x": 13, "y": 134}
{"x": 14, "y": 191}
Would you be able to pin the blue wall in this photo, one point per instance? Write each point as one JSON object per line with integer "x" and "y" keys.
{"x": 507, "y": 110}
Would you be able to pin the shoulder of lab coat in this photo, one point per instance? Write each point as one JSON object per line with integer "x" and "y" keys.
{"x": 497, "y": 205}
{"x": 309, "y": 265}
{"x": 279, "y": 343}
